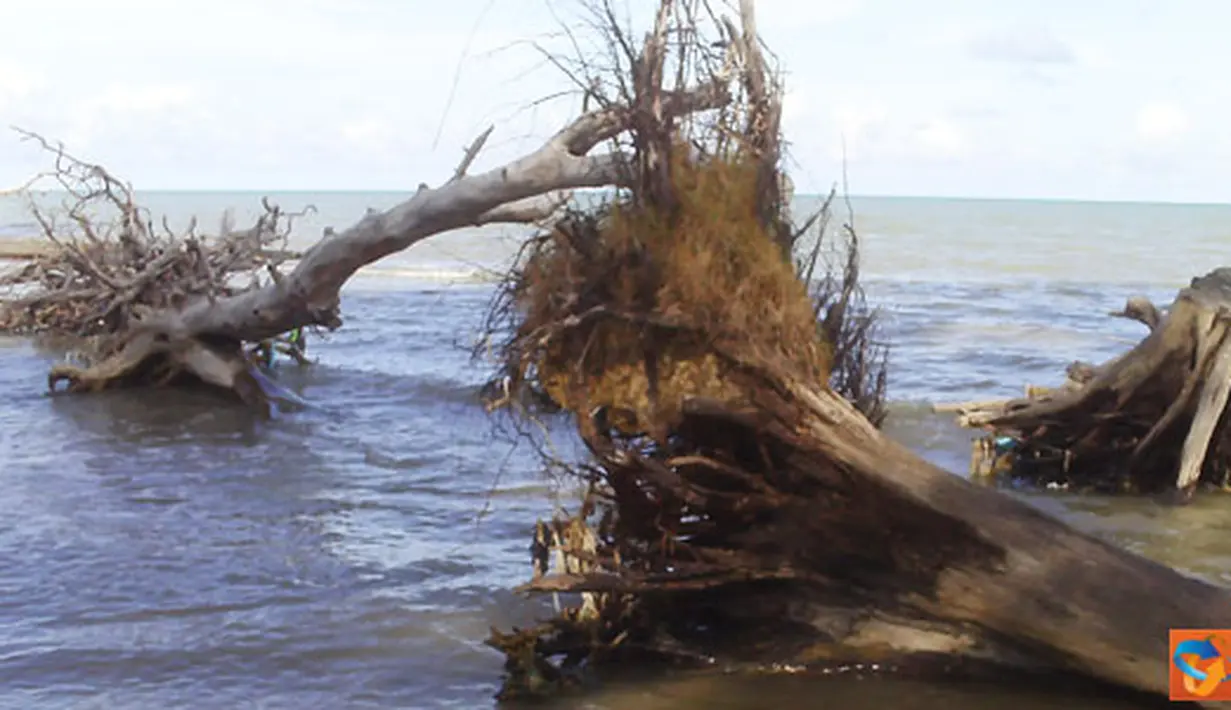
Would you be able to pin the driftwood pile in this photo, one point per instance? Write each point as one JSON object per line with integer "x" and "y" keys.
{"x": 1151, "y": 420}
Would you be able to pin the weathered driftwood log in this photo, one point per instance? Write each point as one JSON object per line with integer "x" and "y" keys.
{"x": 1150, "y": 420}
{"x": 764, "y": 522}
{"x": 102, "y": 264}
{"x": 741, "y": 512}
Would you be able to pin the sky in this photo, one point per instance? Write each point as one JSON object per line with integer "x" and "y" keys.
{"x": 1086, "y": 99}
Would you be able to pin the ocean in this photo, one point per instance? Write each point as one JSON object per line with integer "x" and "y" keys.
{"x": 159, "y": 551}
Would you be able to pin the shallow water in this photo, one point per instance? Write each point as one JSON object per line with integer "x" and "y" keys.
{"x": 161, "y": 551}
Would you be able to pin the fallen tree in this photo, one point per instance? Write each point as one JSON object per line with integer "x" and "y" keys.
{"x": 103, "y": 264}
{"x": 194, "y": 326}
{"x": 743, "y": 507}
{"x": 1151, "y": 420}
{"x": 741, "y": 512}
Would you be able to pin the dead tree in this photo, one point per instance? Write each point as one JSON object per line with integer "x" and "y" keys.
{"x": 740, "y": 509}
{"x": 200, "y": 332}
{"x": 1151, "y": 420}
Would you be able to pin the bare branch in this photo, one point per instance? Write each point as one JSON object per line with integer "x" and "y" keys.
{"x": 106, "y": 263}
{"x": 472, "y": 152}
{"x": 308, "y": 295}
{"x": 531, "y": 209}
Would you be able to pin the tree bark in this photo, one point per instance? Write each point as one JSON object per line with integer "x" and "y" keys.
{"x": 1084, "y": 604}
{"x": 869, "y": 554}
{"x": 1150, "y": 420}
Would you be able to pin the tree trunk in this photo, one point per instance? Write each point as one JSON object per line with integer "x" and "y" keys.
{"x": 863, "y": 553}
{"x": 1077, "y": 602}
{"x": 1150, "y": 420}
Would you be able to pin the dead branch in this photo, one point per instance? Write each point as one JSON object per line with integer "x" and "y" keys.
{"x": 308, "y": 295}
{"x": 103, "y": 263}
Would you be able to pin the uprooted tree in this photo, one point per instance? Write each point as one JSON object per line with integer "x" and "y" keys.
{"x": 106, "y": 264}
{"x": 1150, "y": 420}
{"x": 739, "y": 511}
{"x": 742, "y": 508}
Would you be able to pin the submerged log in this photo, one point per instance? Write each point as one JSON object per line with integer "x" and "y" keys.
{"x": 1150, "y": 420}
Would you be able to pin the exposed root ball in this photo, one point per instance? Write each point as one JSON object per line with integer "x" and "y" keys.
{"x": 1151, "y": 420}
{"x": 634, "y": 312}
{"x": 660, "y": 325}
{"x": 669, "y": 325}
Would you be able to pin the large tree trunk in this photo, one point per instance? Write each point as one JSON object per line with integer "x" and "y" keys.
{"x": 1019, "y": 575}
{"x": 854, "y": 550}
{"x": 740, "y": 511}
{"x": 1150, "y": 420}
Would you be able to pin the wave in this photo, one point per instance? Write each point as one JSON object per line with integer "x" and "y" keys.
{"x": 19, "y": 230}
{"x": 432, "y": 272}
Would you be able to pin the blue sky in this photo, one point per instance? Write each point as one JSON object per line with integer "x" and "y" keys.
{"x": 1084, "y": 99}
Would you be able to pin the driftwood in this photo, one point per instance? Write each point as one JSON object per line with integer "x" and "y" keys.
{"x": 103, "y": 264}
{"x": 1150, "y": 420}
{"x": 742, "y": 513}
{"x": 743, "y": 509}
{"x": 197, "y": 327}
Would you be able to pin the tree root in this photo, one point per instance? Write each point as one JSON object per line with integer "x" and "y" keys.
{"x": 151, "y": 359}
{"x": 804, "y": 540}
{"x": 1150, "y": 420}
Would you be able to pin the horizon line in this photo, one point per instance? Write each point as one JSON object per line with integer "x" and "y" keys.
{"x": 853, "y": 196}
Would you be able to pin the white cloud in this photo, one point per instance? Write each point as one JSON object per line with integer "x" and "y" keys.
{"x": 856, "y": 124}
{"x": 869, "y": 130}
{"x": 1160, "y": 122}
{"x": 940, "y": 138}
{"x": 1093, "y": 55}
{"x": 1021, "y": 44}
{"x": 794, "y": 14}
{"x": 796, "y": 105}
{"x": 143, "y": 98}
{"x": 370, "y": 133}
{"x": 17, "y": 81}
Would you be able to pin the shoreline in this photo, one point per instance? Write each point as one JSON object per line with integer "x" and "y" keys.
{"x": 23, "y": 248}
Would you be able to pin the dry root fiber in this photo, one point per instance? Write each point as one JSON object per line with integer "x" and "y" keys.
{"x": 1151, "y": 420}
{"x": 632, "y": 312}
{"x": 654, "y": 329}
